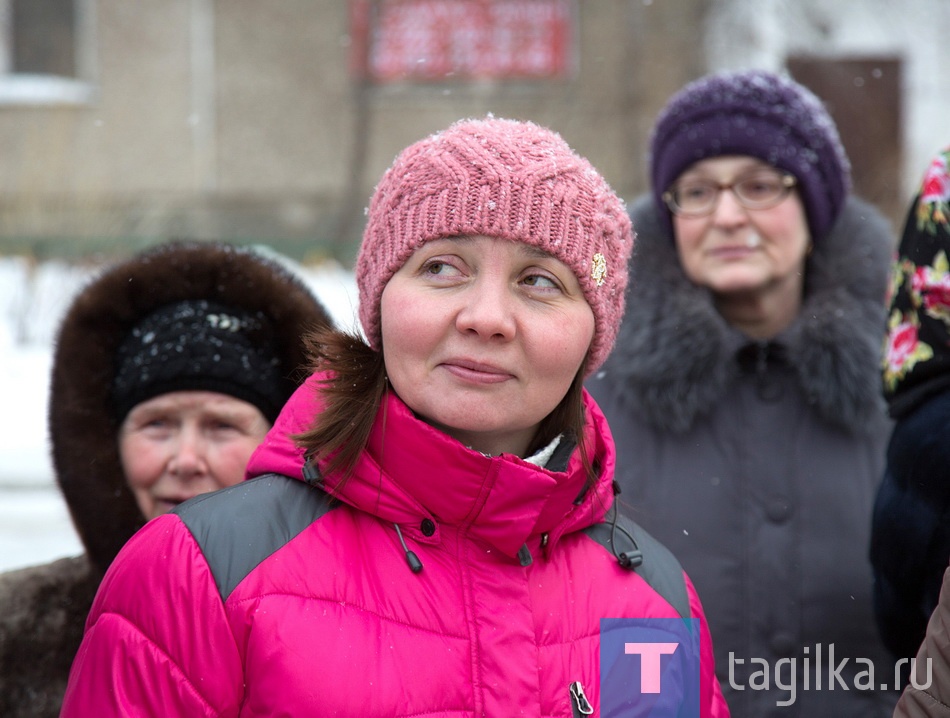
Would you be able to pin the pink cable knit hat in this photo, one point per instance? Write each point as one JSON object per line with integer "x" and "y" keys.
{"x": 505, "y": 179}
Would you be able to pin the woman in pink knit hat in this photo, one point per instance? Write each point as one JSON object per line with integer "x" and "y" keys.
{"x": 430, "y": 527}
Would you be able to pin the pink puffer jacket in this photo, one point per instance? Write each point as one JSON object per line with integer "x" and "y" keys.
{"x": 266, "y": 599}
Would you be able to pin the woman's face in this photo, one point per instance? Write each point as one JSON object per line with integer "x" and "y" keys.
{"x": 184, "y": 443}
{"x": 482, "y": 338}
{"x": 738, "y": 251}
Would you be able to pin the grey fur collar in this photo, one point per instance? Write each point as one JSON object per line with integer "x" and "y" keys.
{"x": 675, "y": 355}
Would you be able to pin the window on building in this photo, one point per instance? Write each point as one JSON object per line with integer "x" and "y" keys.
{"x": 45, "y": 51}
{"x": 42, "y": 37}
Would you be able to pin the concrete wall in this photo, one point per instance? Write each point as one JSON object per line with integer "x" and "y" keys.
{"x": 763, "y": 33}
{"x": 240, "y": 120}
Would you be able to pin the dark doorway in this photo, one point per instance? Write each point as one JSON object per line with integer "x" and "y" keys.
{"x": 864, "y": 97}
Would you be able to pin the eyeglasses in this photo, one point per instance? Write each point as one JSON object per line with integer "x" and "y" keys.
{"x": 697, "y": 198}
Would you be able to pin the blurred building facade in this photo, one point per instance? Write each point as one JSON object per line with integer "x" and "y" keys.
{"x": 125, "y": 123}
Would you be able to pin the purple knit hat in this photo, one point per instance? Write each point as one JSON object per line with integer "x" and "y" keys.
{"x": 762, "y": 115}
{"x": 506, "y": 179}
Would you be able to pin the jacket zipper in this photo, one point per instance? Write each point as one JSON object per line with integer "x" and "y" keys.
{"x": 580, "y": 706}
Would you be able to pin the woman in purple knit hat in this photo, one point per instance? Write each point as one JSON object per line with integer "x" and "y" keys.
{"x": 744, "y": 392}
{"x": 430, "y": 527}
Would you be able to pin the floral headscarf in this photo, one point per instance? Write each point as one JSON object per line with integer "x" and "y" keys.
{"x": 916, "y": 359}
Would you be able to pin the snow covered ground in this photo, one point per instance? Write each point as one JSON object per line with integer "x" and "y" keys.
{"x": 34, "y": 523}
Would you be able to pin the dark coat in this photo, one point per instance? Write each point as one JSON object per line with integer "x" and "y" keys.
{"x": 756, "y": 462}
{"x": 928, "y": 695}
{"x": 910, "y": 538}
{"x": 43, "y": 608}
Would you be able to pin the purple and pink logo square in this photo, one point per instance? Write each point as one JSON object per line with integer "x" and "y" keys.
{"x": 649, "y": 667}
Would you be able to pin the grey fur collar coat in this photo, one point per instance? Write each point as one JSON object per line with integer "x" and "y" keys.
{"x": 675, "y": 355}
{"x": 756, "y": 463}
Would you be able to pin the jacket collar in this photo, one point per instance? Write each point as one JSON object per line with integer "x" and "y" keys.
{"x": 411, "y": 471}
{"x": 676, "y": 356}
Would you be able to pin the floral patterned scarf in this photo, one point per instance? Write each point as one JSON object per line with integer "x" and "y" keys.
{"x": 916, "y": 362}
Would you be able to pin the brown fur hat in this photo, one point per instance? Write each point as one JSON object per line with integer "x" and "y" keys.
{"x": 82, "y": 422}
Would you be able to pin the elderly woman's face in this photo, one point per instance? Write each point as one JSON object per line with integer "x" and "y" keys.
{"x": 739, "y": 251}
{"x": 184, "y": 443}
{"x": 482, "y": 338}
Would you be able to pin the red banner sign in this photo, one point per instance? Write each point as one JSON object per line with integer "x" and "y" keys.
{"x": 425, "y": 40}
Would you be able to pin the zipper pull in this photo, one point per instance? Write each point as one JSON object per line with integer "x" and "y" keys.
{"x": 579, "y": 703}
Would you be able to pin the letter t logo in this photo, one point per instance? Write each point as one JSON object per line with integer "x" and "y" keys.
{"x": 650, "y": 662}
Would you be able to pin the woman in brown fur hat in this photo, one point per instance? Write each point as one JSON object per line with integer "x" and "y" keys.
{"x": 168, "y": 370}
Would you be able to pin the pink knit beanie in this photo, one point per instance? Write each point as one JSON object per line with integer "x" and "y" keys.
{"x": 505, "y": 179}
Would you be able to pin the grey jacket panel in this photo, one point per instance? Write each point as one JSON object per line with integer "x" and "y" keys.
{"x": 263, "y": 515}
{"x": 655, "y": 564}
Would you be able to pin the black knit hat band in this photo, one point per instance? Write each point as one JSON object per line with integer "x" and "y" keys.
{"x": 196, "y": 345}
